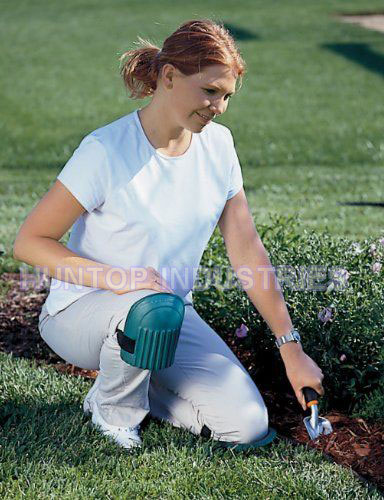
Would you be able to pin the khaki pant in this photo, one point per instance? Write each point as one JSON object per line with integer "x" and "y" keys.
{"x": 206, "y": 386}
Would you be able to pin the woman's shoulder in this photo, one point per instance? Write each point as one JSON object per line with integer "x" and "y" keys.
{"x": 115, "y": 131}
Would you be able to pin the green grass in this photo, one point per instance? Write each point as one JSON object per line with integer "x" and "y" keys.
{"x": 313, "y": 193}
{"x": 307, "y": 122}
{"x": 49, "y": 449}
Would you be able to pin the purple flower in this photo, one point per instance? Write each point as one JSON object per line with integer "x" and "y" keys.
{"x": 342, "y": 275}
{"x": 376, "y": 268}
{"x": 242, "y": 331}
{"x": 325, "y": 315}
{"x": 381, "y": 242}
{"x": 339, "y": 281}
{"x": 372, "y": 249}
{"x": 343, "y": 357}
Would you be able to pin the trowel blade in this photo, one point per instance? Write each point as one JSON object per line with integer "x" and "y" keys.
{"x": 323, "y": 427}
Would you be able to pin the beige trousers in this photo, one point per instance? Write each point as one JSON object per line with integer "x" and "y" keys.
{"x": 206, "y": 386}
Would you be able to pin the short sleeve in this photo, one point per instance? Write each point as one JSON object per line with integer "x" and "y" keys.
{"x": 86, "y": 173}
{"x": 236, "y": 177}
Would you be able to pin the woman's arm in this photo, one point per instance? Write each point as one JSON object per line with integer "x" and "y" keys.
{"x": 250, "y": 261}
{"x": 37, "y": 240}
{"x": 37, "y": 243}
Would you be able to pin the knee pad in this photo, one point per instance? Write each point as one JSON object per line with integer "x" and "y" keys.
{"x": 151, "y": 331}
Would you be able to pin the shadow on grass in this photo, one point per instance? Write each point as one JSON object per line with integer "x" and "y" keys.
{"x": 360, "y": 53}
{"x": 241, "y": 34}
{"x": 361, "y": 203}
{"x": 60, "y": 433}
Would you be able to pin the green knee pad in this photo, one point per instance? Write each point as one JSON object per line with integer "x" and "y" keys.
{"x": 151, "y": 331}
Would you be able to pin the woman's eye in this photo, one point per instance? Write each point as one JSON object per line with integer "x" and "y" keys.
{"x": 228, "y": 96}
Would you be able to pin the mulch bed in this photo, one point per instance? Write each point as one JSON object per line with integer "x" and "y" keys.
{"x": 355, "y": 443}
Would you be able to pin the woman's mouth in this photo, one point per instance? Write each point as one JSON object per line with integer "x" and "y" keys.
{"x": 204, "y": 117}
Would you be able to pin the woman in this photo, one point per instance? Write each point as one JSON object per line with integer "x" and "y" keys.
{"x": 145, "y": 193}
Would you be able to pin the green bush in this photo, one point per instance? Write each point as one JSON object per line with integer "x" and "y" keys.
{"x": 372, "y": 405}
{"x": 341, "y": 326}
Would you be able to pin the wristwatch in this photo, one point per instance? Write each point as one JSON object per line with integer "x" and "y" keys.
{"x": 292, "y": 336}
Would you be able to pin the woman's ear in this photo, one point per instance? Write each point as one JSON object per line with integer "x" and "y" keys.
{"x": 168, "y": 75}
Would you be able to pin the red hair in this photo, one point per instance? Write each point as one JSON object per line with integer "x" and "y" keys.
{"x": 195, "y": 45}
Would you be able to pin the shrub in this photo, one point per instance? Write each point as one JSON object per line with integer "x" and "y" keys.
{"x": 372, "y": 405}
{"x": 341, "y": 325}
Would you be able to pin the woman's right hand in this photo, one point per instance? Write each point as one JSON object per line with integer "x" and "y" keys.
{"x": 148, "y": 278}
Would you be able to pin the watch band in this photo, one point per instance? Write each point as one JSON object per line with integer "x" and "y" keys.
{"x": 292, "y": 336}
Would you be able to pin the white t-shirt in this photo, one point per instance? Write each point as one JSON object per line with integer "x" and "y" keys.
{"x": 144, "y": 208}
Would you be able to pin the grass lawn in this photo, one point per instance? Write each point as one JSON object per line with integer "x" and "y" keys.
{"x": 49, "y": 449}
{"x": 307, "y": 122}
{"x": 308, "y": 128}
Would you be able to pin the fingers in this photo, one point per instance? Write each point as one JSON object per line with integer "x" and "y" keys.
{"x": 161, "y": 288}
{"x": 157, "y": 281}
{"x": 303, "y": 403}
{"x": 142, "y": 278}
{"x": 320, "y": 388}
{"x": 301, "y": 398}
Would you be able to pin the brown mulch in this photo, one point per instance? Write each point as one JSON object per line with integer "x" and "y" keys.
{"x": 355, "y": 443}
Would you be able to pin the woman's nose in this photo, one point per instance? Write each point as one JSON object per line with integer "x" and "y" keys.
{"x": 218, "y": 107}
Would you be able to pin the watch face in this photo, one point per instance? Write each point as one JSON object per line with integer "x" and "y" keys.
{"x": 297, "y": 336}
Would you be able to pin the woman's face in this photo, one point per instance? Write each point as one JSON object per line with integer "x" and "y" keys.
{"x": 195, "y": 99}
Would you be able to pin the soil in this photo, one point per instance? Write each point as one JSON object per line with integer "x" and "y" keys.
{"x": 354, "y": 443}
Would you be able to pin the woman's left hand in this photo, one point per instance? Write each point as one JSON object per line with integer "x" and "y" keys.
{"x": 302, "y": 371}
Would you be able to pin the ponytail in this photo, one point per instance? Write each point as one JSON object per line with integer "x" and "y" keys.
{"x": 193, "y": 46}
{"x": 139, "y": 69}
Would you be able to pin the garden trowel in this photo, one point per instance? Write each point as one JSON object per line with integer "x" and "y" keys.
{"x": 314, "y": 424}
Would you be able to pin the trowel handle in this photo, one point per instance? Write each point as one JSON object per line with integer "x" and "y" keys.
{"x": 311, "y": 396}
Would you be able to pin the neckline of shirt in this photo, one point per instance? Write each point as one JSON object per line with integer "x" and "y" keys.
{"x": 154, "y": 150}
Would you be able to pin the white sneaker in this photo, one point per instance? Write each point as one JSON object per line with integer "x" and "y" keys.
{"x": 89, "y": 398}
{"x": 127, "y": 437}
